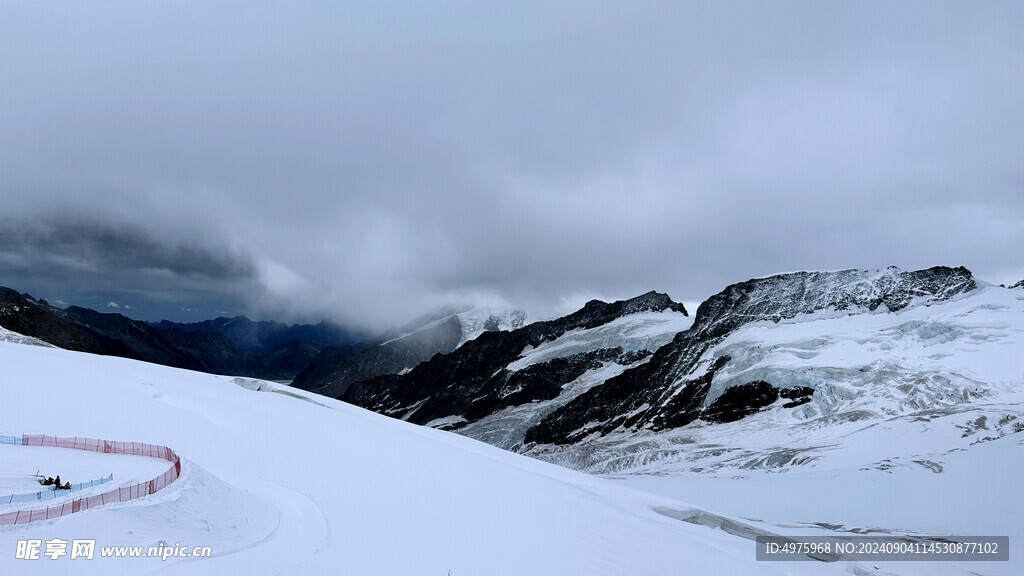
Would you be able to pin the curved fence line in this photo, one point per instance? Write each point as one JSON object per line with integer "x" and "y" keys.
{"x": 122, "y": 494}
{"x": 51, "y": 494}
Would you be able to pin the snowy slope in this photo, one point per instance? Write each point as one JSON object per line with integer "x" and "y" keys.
{"x": 8, "y": 336}
{"x": 474, "y": 322}
{"x": 938, "y": 377}
{"x": 279, "y": 481}
{"x": 633, "y": 332}
{"x": 915, "y": 425}
{"x": 671, "y": 390}
{"x": 478, "y": 320}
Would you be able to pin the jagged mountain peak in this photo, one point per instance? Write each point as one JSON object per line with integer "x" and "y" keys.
{"x": 597, "y": 312}
{"x": 671, "y": 389}
{"x": 652, "y": 301}
{"x": 533, "y": 365}
{"x": 783, "y": 296}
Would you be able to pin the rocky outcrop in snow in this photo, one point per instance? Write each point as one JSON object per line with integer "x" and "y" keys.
{"x": 479, "y": 379}
{"x": 671, "y": 389}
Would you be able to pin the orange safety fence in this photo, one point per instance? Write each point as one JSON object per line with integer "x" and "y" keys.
{"x": 122, "y": 494}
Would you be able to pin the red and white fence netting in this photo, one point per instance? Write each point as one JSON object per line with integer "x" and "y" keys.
{"x": 122, "y": 494}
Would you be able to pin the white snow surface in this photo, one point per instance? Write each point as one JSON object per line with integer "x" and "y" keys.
{"x": 928, "y": 373}
{"x": 280, "y": 481}
{"x": 915, "y": 426}
{"x": 473, "y": 321}
{"x": 8, "y": 336}
{"x": 644, "y": 330}
{"x": 19, "y": 464}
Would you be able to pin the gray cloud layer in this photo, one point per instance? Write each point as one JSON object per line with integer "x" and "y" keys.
{"x": 366, "y": 163}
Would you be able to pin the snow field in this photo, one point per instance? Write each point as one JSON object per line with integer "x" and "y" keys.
{"x": 19, "y": 464}
{"x": 298, "y": 484}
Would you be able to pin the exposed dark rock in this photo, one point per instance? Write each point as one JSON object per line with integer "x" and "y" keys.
{"x": 796, "y": 392}
{"x": 22, "y": 314}
{"x": 797, "y": 402}
{"x": 537, "y": 382}
{"x": 739, "y": 401}
{"x": 203, "y": 351}
{"x": 621, "y": 407}
{"x": 663, "y": 393}
{"x": 85, "y": 330}
{"x": 491, "y": 324}
{"x": 633, "y": 356}
{"x": 473, "y": 381}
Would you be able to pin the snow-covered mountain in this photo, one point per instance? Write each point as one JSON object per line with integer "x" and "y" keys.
{"x": 857, "y": 402}
{"x": 478, "y": 320}
{"x": 541, "y": 366}
{"x": 771, "y": 373}
{"x": 280, "y": 481}
{"x": 682, "y": 380}
{"x": 941, "y": 371}
{"x": 265, "y": 335}
{"x": 332, "y": 371}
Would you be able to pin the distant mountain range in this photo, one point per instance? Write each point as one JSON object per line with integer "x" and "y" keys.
{"x": 615, "y": 385}
{"x": 267, "y": 335}
{"x": 233, "y": 346}
{"x": 324, "y": 357}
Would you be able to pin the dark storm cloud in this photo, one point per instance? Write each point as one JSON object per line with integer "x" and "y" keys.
{"x": 89, "y": 261}
{"x": 107, "y": 248}
{"x": 367, "y": 162}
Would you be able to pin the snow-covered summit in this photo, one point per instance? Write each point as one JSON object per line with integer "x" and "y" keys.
{"x": 671, "y": 390}
{"x": 940, "y": 365}
{"x": 786, "y": 295}
{"x": 476, "y": 321}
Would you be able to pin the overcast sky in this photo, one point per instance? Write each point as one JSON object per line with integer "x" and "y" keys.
{"x": 368, "y": 162}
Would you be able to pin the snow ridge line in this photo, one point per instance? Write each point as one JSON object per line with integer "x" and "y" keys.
{"x": 122, "y": 494}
